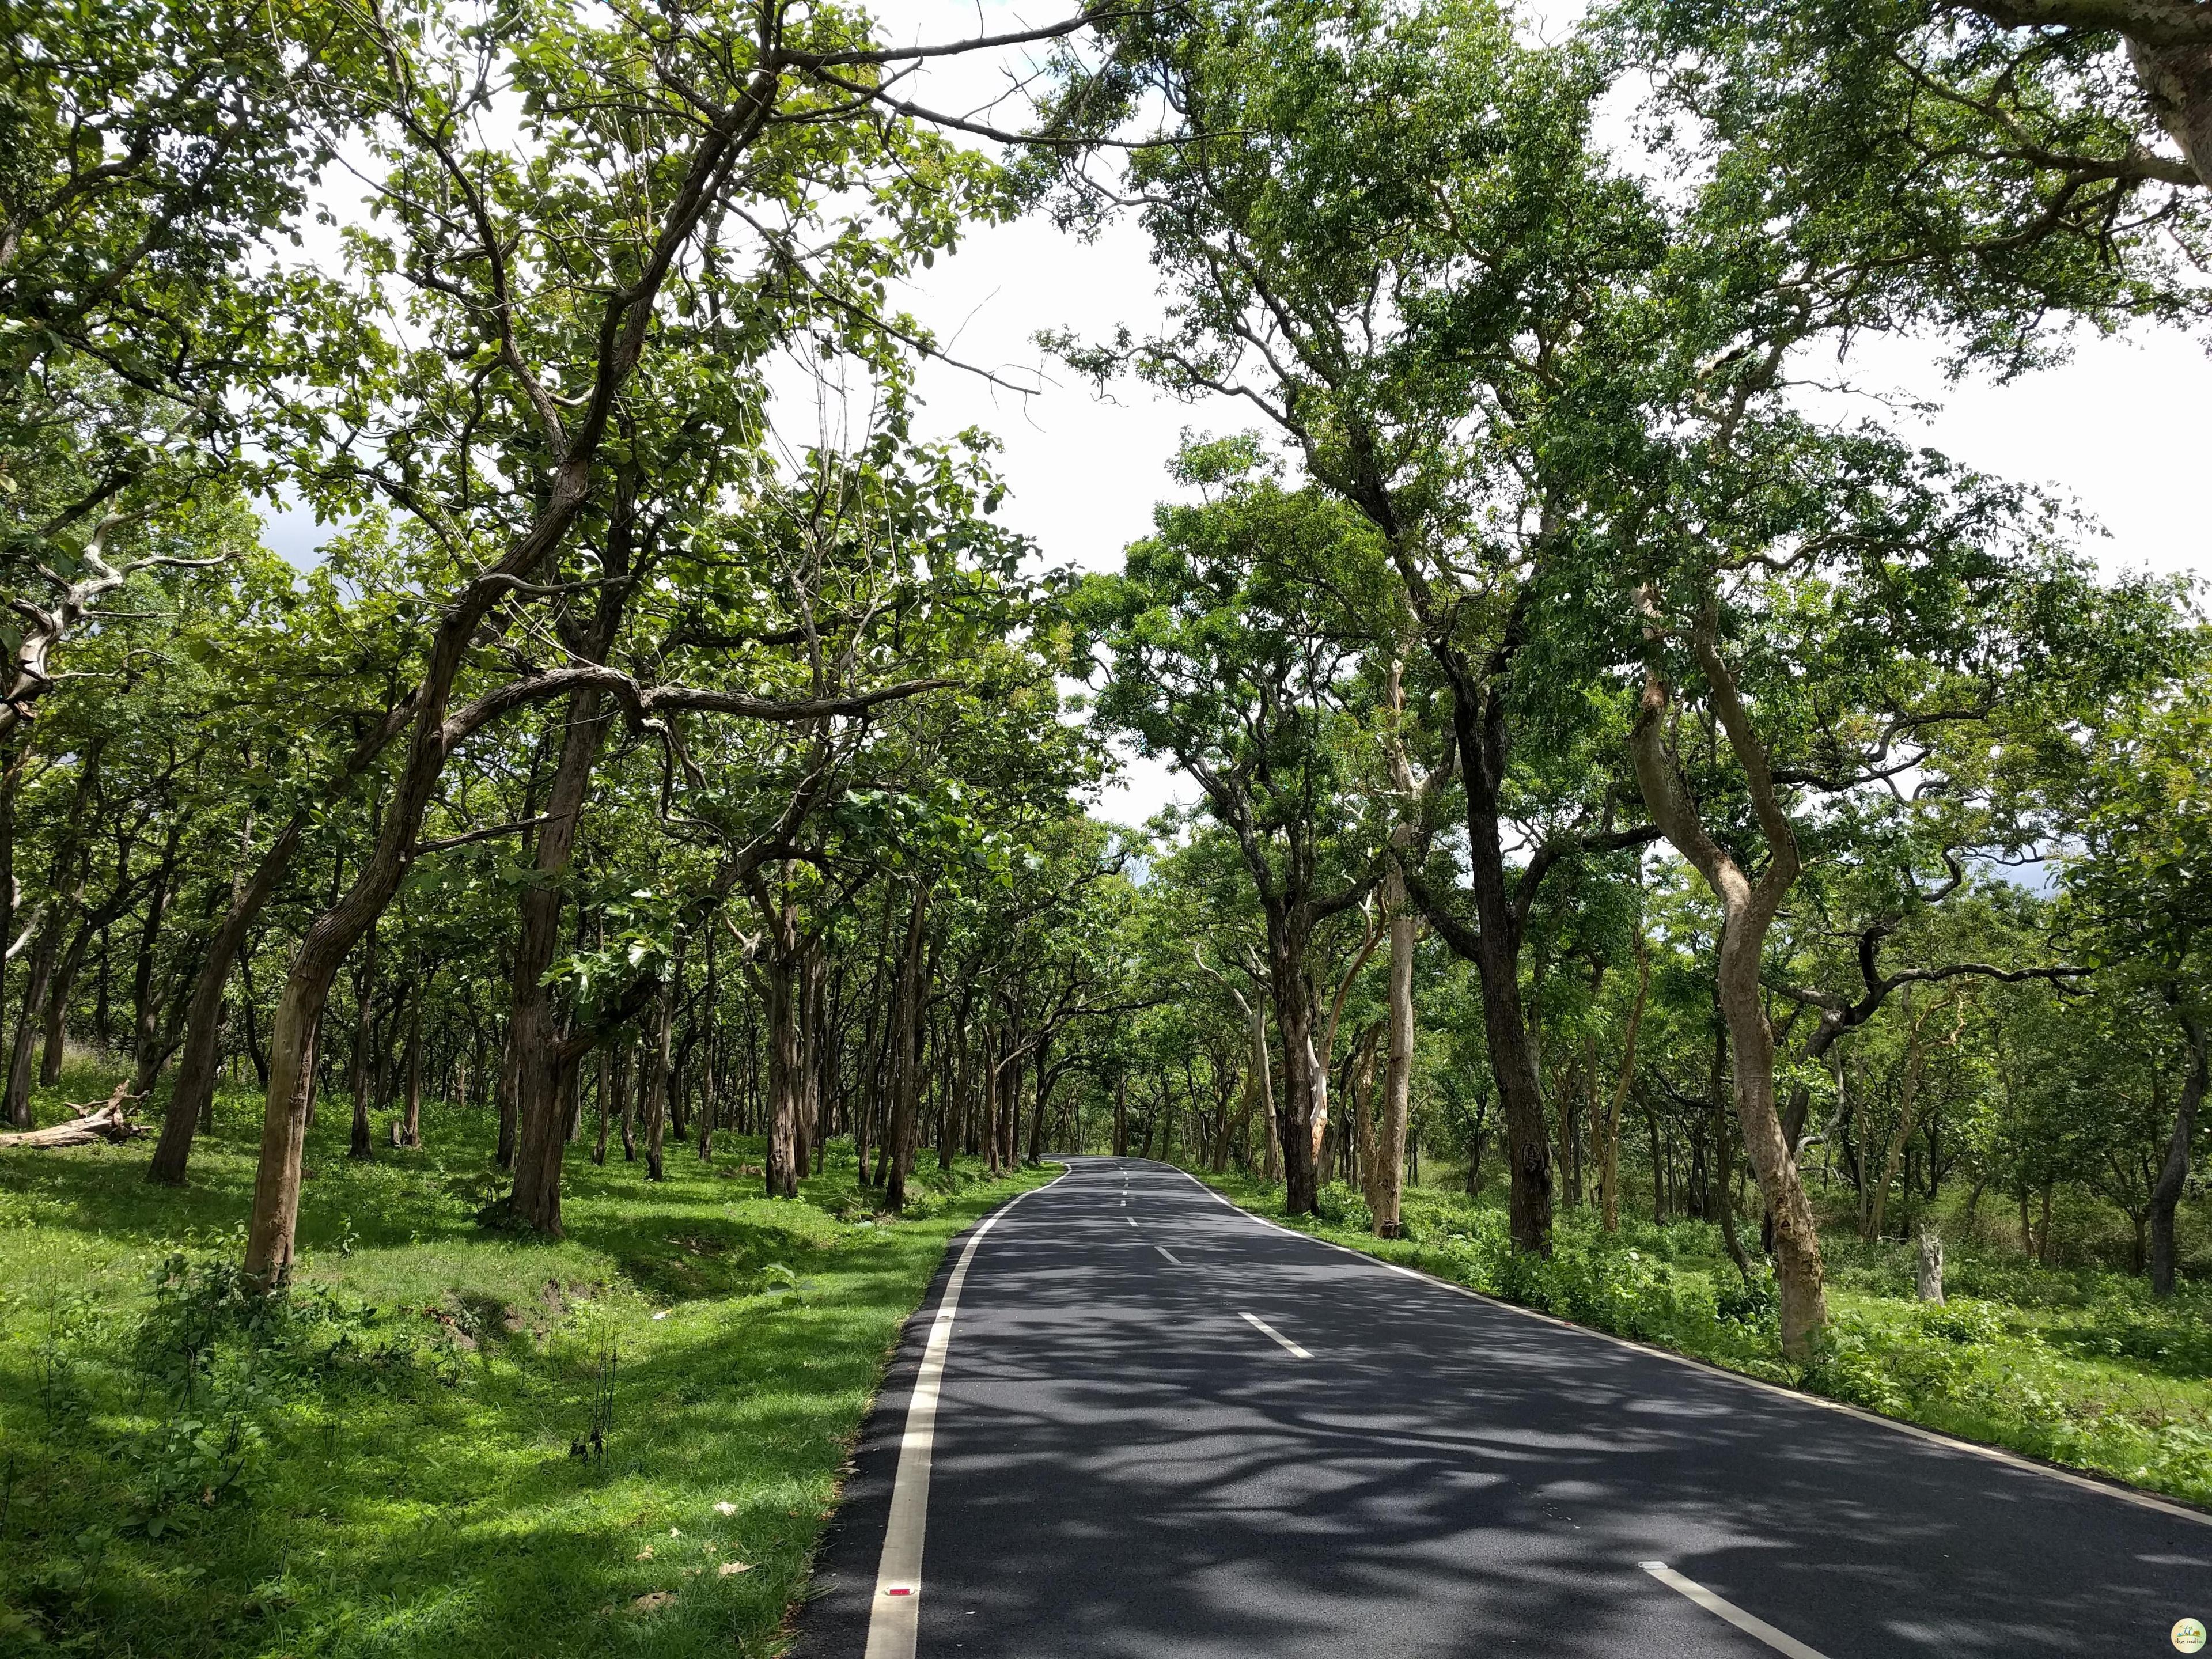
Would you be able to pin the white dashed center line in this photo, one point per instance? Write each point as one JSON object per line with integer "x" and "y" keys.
{"x": 1750, "y": 1624}
{"x": 1165, "y": 1251}
{"x": 1296, "y": 1351}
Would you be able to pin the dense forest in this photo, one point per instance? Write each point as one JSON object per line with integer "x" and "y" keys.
{"x": 1632, "y": 798}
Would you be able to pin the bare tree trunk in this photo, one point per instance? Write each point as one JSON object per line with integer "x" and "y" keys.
{"x": 955, "y": 1102}
{"x": 1388, "y": 1185}
{"x": 65, "y": 891}
{"x": 2174, "y": 1173}
{"x": 905, "y": 1079}
{"x": 539, "y": 1068}
{"x": 411, "y": 1126}
{"x": 627, "y": 1086}
{"x": 782, "y": 1020}
{"x": 1908, "y": 1108}
{"x": 1748, "y": 909}
{"x": 46, "y": 949}
{"x": 606, "y": 1093}
{"x": 364, "y": 1037}
{"x": 663, "y": 1041}
{"x": 149, "y": 1047}
{"x": 2176, "y": 83}
{"x": 1609, "y": 1170}
{"x": 193, "y": 1097}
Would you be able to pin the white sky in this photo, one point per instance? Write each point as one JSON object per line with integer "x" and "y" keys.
{"x": 2119, "y": 428}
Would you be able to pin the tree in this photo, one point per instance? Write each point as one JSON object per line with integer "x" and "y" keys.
{"x": 2142, "y": 884}
{"x": 1216, "y": 656}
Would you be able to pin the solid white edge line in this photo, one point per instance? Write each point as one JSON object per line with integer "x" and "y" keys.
{"x": 1265, "y": 1330}
{"x": 1931, "y": 1437}
{"x": 893, "y": 1611}
{"x": 1749, "y": 1624}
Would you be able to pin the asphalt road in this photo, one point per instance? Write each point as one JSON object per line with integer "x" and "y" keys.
{"x": 1125, "y": 1463}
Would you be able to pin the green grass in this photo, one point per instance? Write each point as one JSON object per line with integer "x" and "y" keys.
{"x": 384, "y": 1466}
{"x": 2077, "y": 1366}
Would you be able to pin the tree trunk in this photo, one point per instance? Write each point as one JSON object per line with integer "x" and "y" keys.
{"x": 606, "y": 1095}
{"x": 1908, "y": 1108}
{"x": 193, "y": 1097}
{"x": 781, "y": 1018}
{"x": 46, "y": 951}
{"x": 539, "y": 1069}
{"x": 1748, "y": 909}
{"x": 2176, "y": 83}
{"x": 1389, "y": 1181}
{"x": 1928, "y": 1271}
{"x": 411, "y": 1126}
{"x": 364, "y": 1036}
{"x": 663, "y": 1054}
{"x": 1609, "y": 1169}
{"x": 2174, "y": 1173}
{"x": 904, "y": 1076}
{"x": 65, "y": 891}
{"x": 1305, "y": 1088}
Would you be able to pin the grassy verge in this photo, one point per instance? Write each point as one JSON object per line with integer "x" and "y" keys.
{"x": 387, "y": 1464}
{"x": 2080, "y": 1368}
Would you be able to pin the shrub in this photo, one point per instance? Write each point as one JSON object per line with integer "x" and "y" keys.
{"x": 1960, "y": 1321}
{"x": 1340, "y": 1207}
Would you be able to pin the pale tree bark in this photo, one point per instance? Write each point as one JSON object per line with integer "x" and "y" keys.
{"x": 46, "y": 626}
{"x": 1747, "y": 909}
{"x": 65, "y": 886}
{"x": 1387, "y": 1196}
{"x": 2177, "y": 81}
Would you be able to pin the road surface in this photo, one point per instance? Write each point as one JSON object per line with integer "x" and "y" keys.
{"x": 1163, "y": 1427}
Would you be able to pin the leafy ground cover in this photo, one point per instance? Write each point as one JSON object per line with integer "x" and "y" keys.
{"x": 399, "y": 1459}
{"x": 2080, "y": 1367}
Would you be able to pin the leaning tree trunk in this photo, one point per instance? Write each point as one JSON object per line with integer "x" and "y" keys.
{"x": 65, "y": 889}
{"x": 2173, "y": 1174}
{"x": 193, "y": 1098}
{"x": 1748, "y": 909}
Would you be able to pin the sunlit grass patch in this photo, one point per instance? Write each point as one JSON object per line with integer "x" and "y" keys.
{"x": 403, "y": 1463}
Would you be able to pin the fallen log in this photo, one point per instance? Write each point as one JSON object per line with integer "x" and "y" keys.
{"x": 110, "y": 1121}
